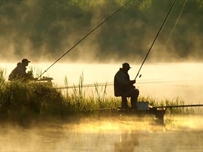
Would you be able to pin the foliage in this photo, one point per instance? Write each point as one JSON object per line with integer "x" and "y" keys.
{"x": 23, "y": 103}
{"x": 50, "y": 27}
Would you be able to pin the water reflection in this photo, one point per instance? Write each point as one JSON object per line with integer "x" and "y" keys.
{"x": 127, "y": 143}
{"x": 105, "y": 135}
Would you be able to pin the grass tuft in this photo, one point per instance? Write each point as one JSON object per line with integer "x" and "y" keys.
{"x": 26, "y": 102}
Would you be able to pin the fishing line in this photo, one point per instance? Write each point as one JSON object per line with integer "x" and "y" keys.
{"x": 111, "y": 83}
{"x": 173, "y": 28}
{"x": 85, "y": 37}
{"x": 155, "y": 38}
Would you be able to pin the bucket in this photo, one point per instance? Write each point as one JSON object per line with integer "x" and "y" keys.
{"x": 142, "y": 105}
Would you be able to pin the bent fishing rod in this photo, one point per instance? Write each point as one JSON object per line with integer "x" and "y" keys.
{"x": 155, "y": 39}
{"x": 85, "y": 37}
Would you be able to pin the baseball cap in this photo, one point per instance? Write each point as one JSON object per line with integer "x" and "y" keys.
{"x": 25, "y": 60}
{"x": 126, "y": 65}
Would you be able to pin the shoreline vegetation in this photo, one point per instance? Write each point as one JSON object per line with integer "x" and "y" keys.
{"x": 23, "y": 103}
{"x": 51, "y": 27}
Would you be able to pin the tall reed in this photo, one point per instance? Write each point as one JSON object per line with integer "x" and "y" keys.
{"x": 23, "y": 102}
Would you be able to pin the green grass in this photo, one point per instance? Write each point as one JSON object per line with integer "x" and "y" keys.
{"x": 26, "y": 102}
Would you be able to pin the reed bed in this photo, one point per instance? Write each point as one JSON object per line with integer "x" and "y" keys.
{"x": 26, "y": 102}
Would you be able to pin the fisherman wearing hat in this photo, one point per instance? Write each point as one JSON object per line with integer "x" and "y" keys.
{"x": 19, "y": 72}
{"x": 124, "y": 87}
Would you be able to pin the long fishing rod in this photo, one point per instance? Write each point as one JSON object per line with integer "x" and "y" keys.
{"x": 111, "y": 83}
{"x": 85, "y": 37}
{"x": 155, "y": 38}
{"x": 180, "y": 106}
{"x": 173, "y": 29}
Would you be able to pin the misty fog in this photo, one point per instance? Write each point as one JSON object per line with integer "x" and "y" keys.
{"x": 159, "y": 81}
{"x": 106, "y": 135}
{"x": 45, "y": 30}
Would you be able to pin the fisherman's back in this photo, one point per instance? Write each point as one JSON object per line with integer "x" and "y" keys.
{"x": 18, "y": 73}
{"x": 124, "y": 87}
{"x": 121, "y": 83}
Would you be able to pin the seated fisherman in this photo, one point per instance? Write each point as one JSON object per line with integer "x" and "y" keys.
{"x": 19, "y": 72}
{"x": 124, "y": 87}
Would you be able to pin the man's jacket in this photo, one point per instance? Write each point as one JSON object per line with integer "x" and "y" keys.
{"x": 122, "y": 83}
{"x": 19, "y": 73}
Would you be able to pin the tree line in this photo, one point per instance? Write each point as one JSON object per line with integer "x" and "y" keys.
{"x": 46, "y": 29}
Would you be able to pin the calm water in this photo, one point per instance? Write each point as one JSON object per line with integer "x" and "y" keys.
{"x": 182, "y": 134}
{"x": 159, "y": 81}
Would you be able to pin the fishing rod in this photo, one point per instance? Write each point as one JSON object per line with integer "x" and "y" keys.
{"x": 85, "y": 37}
{"x": 111, "y": 83}
{"x": 155, "y": 38}
{"x": 180, "y": 106}
{"x": 173, "y": 29}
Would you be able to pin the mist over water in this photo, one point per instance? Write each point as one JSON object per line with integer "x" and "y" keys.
{"x": 45, "y": 30}
{"x": 124, "y": 134}
{"x": 159, "y": 81}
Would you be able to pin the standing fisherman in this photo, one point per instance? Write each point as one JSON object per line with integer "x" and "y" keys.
{"x": 19, "y": 73}
{"x": 124, "y": 87}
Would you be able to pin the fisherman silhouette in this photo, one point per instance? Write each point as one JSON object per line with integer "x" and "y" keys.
{"x": 19, "y": 72}
{"x": 124, "y": 87}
